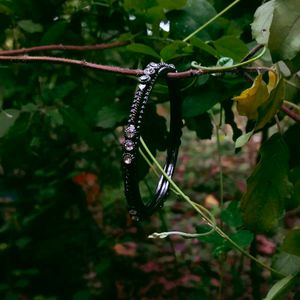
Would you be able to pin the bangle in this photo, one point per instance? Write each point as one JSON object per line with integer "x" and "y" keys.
{"x": 136, "y": 207}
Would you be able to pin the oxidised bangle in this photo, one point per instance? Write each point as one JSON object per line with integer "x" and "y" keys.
{"x": 137, "y": 208}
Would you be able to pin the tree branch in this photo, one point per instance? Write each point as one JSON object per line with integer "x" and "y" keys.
{"x": 64, "y": 47}
{"x": 290, "y": 113}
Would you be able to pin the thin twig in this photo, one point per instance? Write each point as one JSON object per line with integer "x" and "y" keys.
{"x": 290, "y": 113}
{"x": 64, "y": 48}
{"x": 61, "y": 60}
{"x": 252, "y": 52}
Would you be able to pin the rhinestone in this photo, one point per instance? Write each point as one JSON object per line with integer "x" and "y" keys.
{"x": 129, "y": 145}
{"x": 153, "y": 65}
{"x": 127, "y": 158}
{"x": 133, "y": 212}
{"x": 130, "y": 131}
{"x": 142, "y": 86}
{"x": 144, "y": 78}
{"x": 135, "y": 218}
{"x": 149, "y": 71}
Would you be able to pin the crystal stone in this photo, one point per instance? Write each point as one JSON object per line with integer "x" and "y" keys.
{"x": 133, "y": 212}
{"x": 142, "y": 86}
{"x": 127, "y": 158}
{"x": 149, "y": 71}
{"x": 129, "y": 145}
{"x": 153, "y": 65}
{"x": 144, "y": 78}
{"x": 130, "y": 131}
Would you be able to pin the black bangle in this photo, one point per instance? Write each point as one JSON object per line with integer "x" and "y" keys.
{"x": 137, "y": 209}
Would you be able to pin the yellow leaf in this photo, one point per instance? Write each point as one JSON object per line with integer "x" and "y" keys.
{"x": 273, "y": 81}
{"x": 250, "y": 99}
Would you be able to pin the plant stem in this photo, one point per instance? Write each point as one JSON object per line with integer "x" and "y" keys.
{"x": 207, "y": 216}
{"x": 211, "y": 20}
{"x": 221, "y": 179}
{"x": 64, "y": 48}
{"x": 229, "y": 68}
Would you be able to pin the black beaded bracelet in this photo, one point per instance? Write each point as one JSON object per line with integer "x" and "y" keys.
{"x": 137, "y": 208}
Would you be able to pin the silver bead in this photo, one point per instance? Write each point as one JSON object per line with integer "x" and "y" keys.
{"x": 129, "y": 145}
{"x": 130, "y": 131}
{"x": 127, "y": 158}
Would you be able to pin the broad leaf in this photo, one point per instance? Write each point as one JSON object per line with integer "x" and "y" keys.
{"x": 172, "y": 4}
{"x": 243, "y": 139}
{"x": 231, "y": 215}
{"x": 143, "y": 49}
{"x": 267, "y": 187}
{"x": 281, "y": 288}
{"x": 231, "y": 46}
{"x": 284, "y": 40}
{"x": 29, "y": 26}
{"x": 268, "y": 110}
{"x": 276, "y": 24}
{"x": 262, "y": 22}
{"x": 291, "y": 243}
{"x": 204, "y": 46}
{"x": 110, "y": 116}
{"x": 201, "y": 125}
{"x": 193, "y": 15}
{"x": 287, "y": 263}
{"x": 176, "y": 49}
{"x": 250, "y": 99}
{"x": 7, "y": 120}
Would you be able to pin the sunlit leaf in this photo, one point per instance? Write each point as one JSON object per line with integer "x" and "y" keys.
{"x": 276, "y": 24}
{"x": 250, "y": 99}
{"x": 281, "y": 288}
{"x": 262, "y": 21}
{"x": 267, "y": 187}
{"x": 30, "y": 26}
{"x": 243, "y": 139}
{"x": 284, "y": 39}
{"x": 7, "y": 120}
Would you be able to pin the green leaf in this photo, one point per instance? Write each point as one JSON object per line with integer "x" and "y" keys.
{"x": 284, "y": 39}
{"x": 54, "y": 33}
{"x": 203, "y": 46}
{"x": 243, "y": 238}
{"x": 276, "y": 24}
{"x": 176, "y": 49}
{"x": 30, "y": 27}
{"x": 143, "y": 49}
{"x": 269, "y": 108}
{"x": 267, "y": 187}
{"x": 243, "y": 139}
{"x": 287, "y": 263}
{"x": 7, "y": 120}
{"x": 231, "y": 46}
{"x": 191, "y": 17}
{"x": 291, "y": 243}
{"x": 110, "y": 116}
{"x": 281, "y": 288}
{"x": 231, "y": 215}
{"x": 262, "y": 22}
{"x": 77, "y": 124}
{"x": 172, "y": 4}
{"x": 201, "y": 99}
{"x": 201, "y": 125}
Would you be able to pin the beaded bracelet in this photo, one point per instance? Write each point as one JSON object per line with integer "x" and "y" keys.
{"x": 136, "y": 207}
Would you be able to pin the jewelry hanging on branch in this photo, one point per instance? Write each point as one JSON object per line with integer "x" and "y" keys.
{"x": 137, "y": 208}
